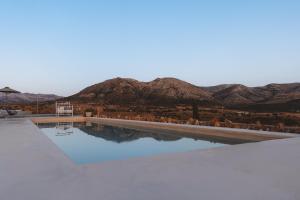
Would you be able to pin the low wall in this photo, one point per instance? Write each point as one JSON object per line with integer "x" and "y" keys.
{"x": 57, "y": 119}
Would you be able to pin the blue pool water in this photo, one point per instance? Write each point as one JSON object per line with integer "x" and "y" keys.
{"x": 92, "y": 143}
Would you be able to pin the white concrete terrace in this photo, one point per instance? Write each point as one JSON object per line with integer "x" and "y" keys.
{"x": 32, "y": 167}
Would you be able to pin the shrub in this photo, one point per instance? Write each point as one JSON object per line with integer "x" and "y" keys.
{"x": 92, "y": 110}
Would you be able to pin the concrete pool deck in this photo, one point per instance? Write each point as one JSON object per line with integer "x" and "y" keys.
{"x": 32, "y": 167}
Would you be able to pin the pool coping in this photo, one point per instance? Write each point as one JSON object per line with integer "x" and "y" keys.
{"x": 190, "y": 130}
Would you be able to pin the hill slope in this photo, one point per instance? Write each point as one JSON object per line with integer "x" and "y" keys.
{"x": 27, "y": 98}
{"x": 159, "y": 91}
{"x": 236, "y": 94}
{"x": 170, "y": 90}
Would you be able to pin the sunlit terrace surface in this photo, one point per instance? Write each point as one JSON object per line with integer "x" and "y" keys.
{"x": 264, "y": 166}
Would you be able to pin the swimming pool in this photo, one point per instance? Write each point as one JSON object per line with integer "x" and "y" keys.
{"x": 92, "y": 143}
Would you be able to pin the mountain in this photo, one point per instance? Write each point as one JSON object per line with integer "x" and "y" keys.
{"x": 236, "y": 94}
{"x": 175, "y": 88}
{"x": 280, "y": 93}
{"x": 114, "y": 91}
{"x": 27, "y": 98}
{"x": 158, "y": 91}
{"x": 168, "y": 91}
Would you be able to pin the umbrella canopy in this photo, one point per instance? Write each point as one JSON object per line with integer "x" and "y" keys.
{"x": 8, "y": 90}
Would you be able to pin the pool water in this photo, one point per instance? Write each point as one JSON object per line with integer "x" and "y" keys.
{"x": 92, "y": 143}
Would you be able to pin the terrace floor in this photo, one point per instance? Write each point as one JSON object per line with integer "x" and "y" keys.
{"x": 32, "y": 167}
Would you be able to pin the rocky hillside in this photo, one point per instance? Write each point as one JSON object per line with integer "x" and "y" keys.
{"x": 27, "y": 98}
{"x": 236, "y": 94}
{"x": 171, "y": 90}
{"x": 159, "y": 91}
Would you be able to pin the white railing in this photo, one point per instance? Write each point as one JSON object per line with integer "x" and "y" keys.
{"x": 64, "y": 108}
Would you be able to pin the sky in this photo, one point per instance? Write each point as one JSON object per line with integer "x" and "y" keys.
{"x": 63, "y": 46}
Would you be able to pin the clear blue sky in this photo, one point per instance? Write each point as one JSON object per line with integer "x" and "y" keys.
{"x": 62, "y": 46}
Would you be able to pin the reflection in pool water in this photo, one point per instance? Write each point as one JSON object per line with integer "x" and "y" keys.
{"x": 91, "y": 143}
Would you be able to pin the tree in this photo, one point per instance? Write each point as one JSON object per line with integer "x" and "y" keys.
{"x": 195, "y": 111}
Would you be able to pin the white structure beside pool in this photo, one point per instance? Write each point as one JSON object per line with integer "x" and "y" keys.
{"x": 64, "y": 108}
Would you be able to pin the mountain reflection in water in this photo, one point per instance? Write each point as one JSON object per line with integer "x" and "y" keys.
{"x": 116, "y": 134}
{"x": 90, "y": 142}
{"x": 119, "y": 135}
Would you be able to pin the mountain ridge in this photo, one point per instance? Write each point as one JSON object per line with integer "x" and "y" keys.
{"x": 22, "y": 98}
{"x": 171, "y": 91}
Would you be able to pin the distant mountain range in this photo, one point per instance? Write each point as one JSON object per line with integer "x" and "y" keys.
{"x": 167, "y": 91}
{"x": 22, "y": 98}
{"x": 171, "y": 91}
